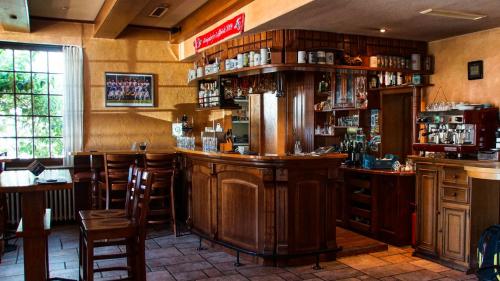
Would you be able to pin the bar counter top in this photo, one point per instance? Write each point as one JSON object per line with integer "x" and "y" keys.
{"x": 268, "y": 157}
{"x": 386, "y": 172}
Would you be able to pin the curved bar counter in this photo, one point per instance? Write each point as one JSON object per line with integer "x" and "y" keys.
{"x": 273, "y": 207}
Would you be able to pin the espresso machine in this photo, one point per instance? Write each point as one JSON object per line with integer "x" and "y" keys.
{"x": 457, "y": 132}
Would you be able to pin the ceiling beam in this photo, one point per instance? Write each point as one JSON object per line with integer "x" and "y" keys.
{"x": 205, "y": 16}
{"x": 14, "y": 15}
{"x": 115, "y": 15}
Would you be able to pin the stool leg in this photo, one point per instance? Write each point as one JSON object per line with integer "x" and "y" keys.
{"x": 131, "y": 258}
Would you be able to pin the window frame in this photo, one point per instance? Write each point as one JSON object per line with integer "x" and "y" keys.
{"x": 33, "y": 48}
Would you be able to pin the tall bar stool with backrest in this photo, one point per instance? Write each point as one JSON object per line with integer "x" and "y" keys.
{"x": 162, "y": 203}
{"x": 111, "y": 192}
{"x": 132, "y": 230}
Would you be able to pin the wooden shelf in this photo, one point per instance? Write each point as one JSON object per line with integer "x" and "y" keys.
{"x": 400, "y": 87}
{"x": 240, "y": 121}
{"x": 361, "y": 212}
{"x": 322, "y": 111}
{"x": 325, "y": 135}
{"x": 361, "y": 198}
{"x": 359, "y": 225}
{"x": 347, "y": 109}
{"x": 217, "y": 108}
{"x": 271, "y": 68}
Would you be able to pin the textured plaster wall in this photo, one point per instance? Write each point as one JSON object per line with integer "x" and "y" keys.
{"x": 136, "y": 50}
{"x": 451, "y": 57}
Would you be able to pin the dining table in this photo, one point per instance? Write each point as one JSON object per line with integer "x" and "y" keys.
{"x": 34, "y": 227}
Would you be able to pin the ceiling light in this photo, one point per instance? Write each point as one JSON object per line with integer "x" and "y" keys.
{"x": 452, "y": 14}
{"x": 12, "y": 16}
{"x": 383, "y": 30}
{"x": 159, "y": 11}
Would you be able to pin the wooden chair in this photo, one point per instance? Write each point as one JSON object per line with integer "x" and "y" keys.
{"x": 111, "y": 192}
{"x": 131, "y": 230}
{"x": 162, "y": 203}
{"x": 133, "y": 172}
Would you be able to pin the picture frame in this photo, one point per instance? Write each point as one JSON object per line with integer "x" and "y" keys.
{"x": 129, "y": 89}
{"x": 475, "y": 70}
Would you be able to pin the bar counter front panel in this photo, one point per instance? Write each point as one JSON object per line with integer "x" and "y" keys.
{"x": 274, "y": 207}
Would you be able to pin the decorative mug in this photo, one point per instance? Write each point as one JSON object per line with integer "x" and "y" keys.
{"x": 251, "y": 59}
{"x": 256, "y": 59}
{"x": 239, "y": 57}
{"x": 301, "y": 57}
{"x": 330, "y": 58}
{"x": 265, "y": 56}
{"x": 321, "y": 57}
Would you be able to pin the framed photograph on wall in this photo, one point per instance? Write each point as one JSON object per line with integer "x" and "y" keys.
{"x": 475, "y": 70}
{"x": 129, "y": 89}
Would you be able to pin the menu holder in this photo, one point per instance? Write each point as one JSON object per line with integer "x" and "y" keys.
{"x": 36, "y": 168}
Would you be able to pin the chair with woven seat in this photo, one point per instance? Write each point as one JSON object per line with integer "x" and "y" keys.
{"x": 162, "y": 201}
{"x": 129, "y": 231}
{"x": 111, "y": 191}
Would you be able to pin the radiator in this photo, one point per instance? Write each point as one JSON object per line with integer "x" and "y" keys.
{"x": 62, "y": 203}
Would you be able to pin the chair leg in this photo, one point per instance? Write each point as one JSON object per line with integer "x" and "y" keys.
{"x": 141, "y": 260}
{"x": 132, "y": 258}
{"x": 172, "y": 210}
{"x": 89, "y": 266}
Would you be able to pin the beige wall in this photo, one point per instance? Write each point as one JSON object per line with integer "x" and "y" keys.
{"x": 451, "y": 57}
{"x": 136, "y": 50}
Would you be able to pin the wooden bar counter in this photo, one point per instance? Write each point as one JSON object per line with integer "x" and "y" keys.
{"x": 275, "y": 207}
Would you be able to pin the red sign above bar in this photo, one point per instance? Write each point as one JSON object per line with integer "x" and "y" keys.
{"x": 229, "y": 28}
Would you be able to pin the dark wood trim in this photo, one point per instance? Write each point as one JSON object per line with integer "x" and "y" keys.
{"x": 29, "y": 46}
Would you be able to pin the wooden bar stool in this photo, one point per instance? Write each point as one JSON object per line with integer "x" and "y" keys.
{"x": 132, "y": 231}
{"x": 111, "y": 192}
{"x": 162, "y": 203}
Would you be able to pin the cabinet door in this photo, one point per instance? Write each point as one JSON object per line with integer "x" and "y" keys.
{"x": 427, "y": 217}
{"x": 454, "y": 231}
{"x": 201, "y": 198}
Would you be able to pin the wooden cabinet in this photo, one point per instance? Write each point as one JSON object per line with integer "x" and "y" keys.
{"x": 454, "y": 233}
{"x": 426, "y": 201}
{"x": 443, "y": 214}
{"x": 379, "y": 204}
{"x": 275, "y": 208}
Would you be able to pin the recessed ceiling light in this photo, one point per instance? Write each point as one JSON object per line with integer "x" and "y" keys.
{"x": 12, "y": 16}
{"x": 383, "y": 30}
{"x": 452, "y": 14}
{"x": 64, "y": 8}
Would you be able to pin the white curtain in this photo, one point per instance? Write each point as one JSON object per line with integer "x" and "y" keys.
{"x": 72, "y": 102}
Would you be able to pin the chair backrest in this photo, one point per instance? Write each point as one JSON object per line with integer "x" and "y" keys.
{"x": 142, "y": 192}
{"x": 162, "y": 165}
{"x": 133, "y": 172}
{"x": 116, "y": 167}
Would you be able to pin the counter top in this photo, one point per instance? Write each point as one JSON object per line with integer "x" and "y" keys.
{"x": 272, "y": 157}
{"x": 378, "y": 171}
{"x": 124, "y": 151}
{"x": 457, "y": 162}
{"x": 487, "y": 173}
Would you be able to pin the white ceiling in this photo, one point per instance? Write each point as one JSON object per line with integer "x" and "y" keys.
{"x": 401, "y": 18}
{"x": 83, "y": 10}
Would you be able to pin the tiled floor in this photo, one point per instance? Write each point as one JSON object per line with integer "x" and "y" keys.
{"x": 171, "y": 258}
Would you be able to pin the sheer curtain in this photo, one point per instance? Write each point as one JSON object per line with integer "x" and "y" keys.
{"x": 72, "y": 102}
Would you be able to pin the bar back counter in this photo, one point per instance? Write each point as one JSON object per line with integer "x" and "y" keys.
{"x": 277, "y": 208}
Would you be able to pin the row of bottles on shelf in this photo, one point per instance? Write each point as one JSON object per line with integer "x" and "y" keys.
{"x": 391, "y": 79}
{"x": 355, "y": 146}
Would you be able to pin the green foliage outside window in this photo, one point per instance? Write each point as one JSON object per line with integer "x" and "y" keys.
{"x": 31, "y": 103}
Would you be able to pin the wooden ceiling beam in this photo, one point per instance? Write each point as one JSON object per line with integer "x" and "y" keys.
{"x": 205, "y": 16}
{"x": 115, "y": 15}
{"x": 14, "y": 15}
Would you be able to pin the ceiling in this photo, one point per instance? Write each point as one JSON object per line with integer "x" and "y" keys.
{"x": 87, "y": 10}
{"x": 401, "y": 18}
{"x": 82, "y": 10}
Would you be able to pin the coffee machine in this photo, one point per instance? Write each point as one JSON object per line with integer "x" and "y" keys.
{"x": 457, "y": 131}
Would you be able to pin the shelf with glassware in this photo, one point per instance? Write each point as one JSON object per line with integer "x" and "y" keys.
{"x": 339, "y": 99}
{"x": 240, "y": 123}
{"x": 212, "y": 94}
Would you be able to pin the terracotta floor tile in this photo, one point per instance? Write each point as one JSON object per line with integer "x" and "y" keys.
{"x": 422, "y": 275}
{"x": 363, "y": 261}
{"x": 191, "y": 275}
{"x": 390, "y": 270}
{"x": 172, "y": 258}
{"x": 338, "y": 274}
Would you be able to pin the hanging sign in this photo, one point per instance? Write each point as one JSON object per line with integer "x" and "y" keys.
{"x": 229, "y": 28}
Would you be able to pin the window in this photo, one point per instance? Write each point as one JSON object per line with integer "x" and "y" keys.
{"x": 31, "y": 101}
